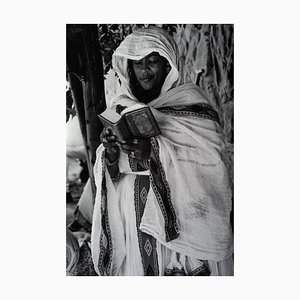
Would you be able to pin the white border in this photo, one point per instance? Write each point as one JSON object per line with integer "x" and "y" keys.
{"x": 266, "y": 149}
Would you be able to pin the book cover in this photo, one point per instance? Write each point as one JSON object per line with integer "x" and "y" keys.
{"x": 136, "y": 121}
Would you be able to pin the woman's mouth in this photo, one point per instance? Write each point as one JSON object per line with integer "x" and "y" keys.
{"x": 146, "y": 78}
{"x": 146, "y": 81}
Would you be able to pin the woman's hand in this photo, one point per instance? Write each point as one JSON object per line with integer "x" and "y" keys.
{"x": 109, "y": 141}
{"x": 137, "y": 148}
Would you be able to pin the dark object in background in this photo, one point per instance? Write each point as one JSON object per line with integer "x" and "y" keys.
{"x": 74, "y": 226}
{"x": 84, "y": 175}
{"x": 70, "y": 111}
{"x": 69, "y": 197}
{"x": 85, "y": 76}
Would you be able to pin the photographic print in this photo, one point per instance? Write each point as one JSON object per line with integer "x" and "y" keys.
{"x": 149, "y": 149}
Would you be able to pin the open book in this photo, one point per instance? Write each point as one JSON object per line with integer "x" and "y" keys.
{"x": 136, "y": 121}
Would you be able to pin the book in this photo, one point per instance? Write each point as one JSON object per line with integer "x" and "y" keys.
{"x": 136, "y": 121}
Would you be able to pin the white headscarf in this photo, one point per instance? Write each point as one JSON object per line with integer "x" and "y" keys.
{"x": 140, "y": 44}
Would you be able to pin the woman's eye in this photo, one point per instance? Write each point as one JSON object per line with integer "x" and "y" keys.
{"x": 153, "y": 61}
{"x": 136, "y": 63}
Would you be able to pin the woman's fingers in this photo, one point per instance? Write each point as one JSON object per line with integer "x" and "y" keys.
{"x": 110, "y": 138}
{"x": 133, "y": 153}
{"x": 109, "y": 141}
{"x": 128, "y": 147}
{"x": 137, "y": 148}
{"x": 132, "y": 143}
{"x": 107, "y": 137}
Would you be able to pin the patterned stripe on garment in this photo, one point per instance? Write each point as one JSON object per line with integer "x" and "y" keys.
{"x": 162, "y": 192}
{"x": 147, "y": 243}
{"x": 105, "y": 258}
{"x": 201, "y": 110}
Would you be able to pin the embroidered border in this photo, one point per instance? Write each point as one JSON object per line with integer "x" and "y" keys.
{"x": 81, "y": 220}
{"x": 116, "y": 178}
{"x": 162, "y": 192}
{"x": 105, "y": 257}
{"x": 85, "y": 266}
{"x": 172, "y": 272}
{"x": 146, "y": 163}
{"x": 201, "y": 110}
{"x": 146, "y": 242}
{"x": 200, "y": 271}
{"x": 138, "y": 165}
{"x": 132, "y": 164}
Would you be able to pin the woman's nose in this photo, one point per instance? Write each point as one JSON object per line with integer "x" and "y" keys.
{"x": 144, "y": 66}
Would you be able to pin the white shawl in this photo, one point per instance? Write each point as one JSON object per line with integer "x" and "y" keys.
{"x": 190, "y": 153}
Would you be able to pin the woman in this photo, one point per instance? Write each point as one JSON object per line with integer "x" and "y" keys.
{"x": 162, "y": 204}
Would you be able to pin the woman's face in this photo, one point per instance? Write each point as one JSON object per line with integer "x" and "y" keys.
{"x": 151, "y": 72}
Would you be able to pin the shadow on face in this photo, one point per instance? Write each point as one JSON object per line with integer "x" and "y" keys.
{"x": 147, "y": 76}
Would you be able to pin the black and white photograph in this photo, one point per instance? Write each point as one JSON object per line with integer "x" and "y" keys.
{"x": 150, "y": 149}
{"x": 145, "y": 140}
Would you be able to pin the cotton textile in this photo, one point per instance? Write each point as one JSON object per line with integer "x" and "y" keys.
{"x": 190, "y": 153}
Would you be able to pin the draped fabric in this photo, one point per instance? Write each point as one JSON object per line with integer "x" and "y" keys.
{"x": 141, "y": 43}
{"x": 187, "y": 204}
